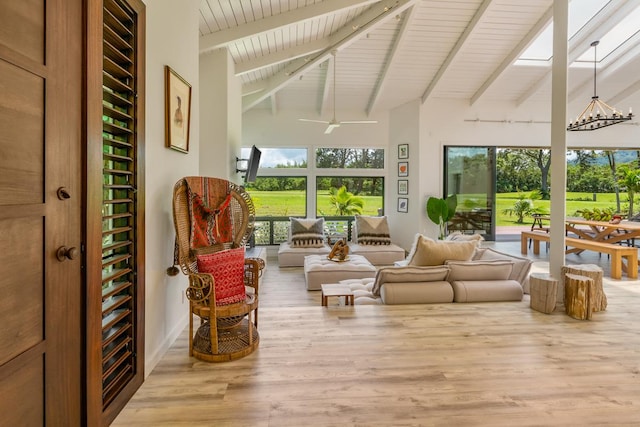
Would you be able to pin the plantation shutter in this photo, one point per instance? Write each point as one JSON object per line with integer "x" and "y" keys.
{"x": 116, "y": 340}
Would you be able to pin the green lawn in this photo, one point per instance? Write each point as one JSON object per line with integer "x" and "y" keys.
{"x": 286, "y": 203}
{"x": 292, "y": 203}
{"x": 575, "y": 201}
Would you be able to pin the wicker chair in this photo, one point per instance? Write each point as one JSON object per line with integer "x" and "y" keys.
{"x": 226, "y": 332}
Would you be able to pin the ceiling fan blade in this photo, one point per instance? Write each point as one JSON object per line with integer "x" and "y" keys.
{"x": 358, "y": 121}
{"x": 331, "y": 127}
{"x": 314, "y": 121}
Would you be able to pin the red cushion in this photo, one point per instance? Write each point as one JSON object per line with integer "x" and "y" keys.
{"x": 227, "y": 268}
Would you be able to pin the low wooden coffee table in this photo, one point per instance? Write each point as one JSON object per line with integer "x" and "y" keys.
{"x": 336, "y": 290}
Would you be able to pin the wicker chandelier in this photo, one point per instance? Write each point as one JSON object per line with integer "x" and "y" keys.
{"x": 598, "y": 114}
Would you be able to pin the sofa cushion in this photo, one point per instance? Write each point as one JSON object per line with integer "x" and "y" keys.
{"x": 378, "y": 254}
{"x": 288, "y": 256}
{"x": 408, "y": 274}
{"x": 361, "y": 289}
{"x": 227, "y": 268}
{"x": 319, "y": 270}
{"x": 479, "y": 270}
{"x": 307, "y": 232}
{"x": 486, "y": 290}
{"x": 429, "y": 252}
{"x": 416, "y": 292}
{"x": 372, "y": 230}
{"x": 521, "y": 266}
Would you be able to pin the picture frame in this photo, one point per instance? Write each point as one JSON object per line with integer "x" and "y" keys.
{"x": 403, "y": 186}
{"x": 403, "y": 168}
{"x": 403, "y": 151}
{"x": 177, "y": 110}
{"x": 403, "y": 204}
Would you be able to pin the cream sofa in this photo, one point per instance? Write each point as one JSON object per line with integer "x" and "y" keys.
{"x": 289, "y": 256}
{"x": 371, "y": 240}
{"x": 489, "y": 276}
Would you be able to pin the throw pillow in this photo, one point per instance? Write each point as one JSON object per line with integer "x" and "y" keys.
{"x": 457, "y": 236}
{"x": 430, "y": 252}
{"x": 479, "y": 270}
{"x": 521, "y": 266}
{"x": 307, "y": 232}
{"x": 227, "y": 268}
{"x": 408, "y": 274}
{"x": 372, "y": 230}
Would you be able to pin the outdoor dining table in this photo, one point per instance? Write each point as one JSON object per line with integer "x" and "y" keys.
{"x": 599, "y": 236}
{"x": 602, "y": 231}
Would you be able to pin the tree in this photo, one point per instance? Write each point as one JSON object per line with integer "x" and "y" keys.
{"x": 629, "y": 179}
{"x": 344, "y": 202}
{"x": 524, "y": 207}
{"x": 542, "y": 158}
{"x": 612, "y": 165}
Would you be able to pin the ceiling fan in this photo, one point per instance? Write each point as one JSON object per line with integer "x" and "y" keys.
{"x": 333, "y": 123}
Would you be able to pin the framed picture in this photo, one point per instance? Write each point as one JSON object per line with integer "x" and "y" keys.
{"x": 403, "y": 168}
{"x": 403, "y": 186}
{"x": 177, "y": 99}
{"x": 403, "y": 204}
{"x": 403, "y": 151}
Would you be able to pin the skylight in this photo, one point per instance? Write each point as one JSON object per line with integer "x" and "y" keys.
{"x": 580, "y": 12}
{"x": 619, "y": 34}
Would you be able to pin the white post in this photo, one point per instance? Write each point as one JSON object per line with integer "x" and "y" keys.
{"x": 558, "y": 138}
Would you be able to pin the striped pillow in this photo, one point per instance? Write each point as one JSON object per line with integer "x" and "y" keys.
{"x": 372, "y": 230}
{"x": 307, "y": 233}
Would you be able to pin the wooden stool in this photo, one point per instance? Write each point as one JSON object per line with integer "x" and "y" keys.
{"x": 578, "y": 296}
{"x": 543, "y": 292}
{"x": 336, "y": 290}
{"x": 595, "y": 272}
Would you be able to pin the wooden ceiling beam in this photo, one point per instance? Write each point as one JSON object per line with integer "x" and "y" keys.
{"x": 624, "y": 94}
{"x": 381, "y": 82}
{"x": 456, "y": 49}
{"x": 281, "y": 56}
{"x": 515, "y": 53}
{"x": 348, "y": 34}
{"x": 261, "y": 26}
{"x": 328, "y": 77}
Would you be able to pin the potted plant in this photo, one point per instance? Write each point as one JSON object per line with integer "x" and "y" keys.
{"x": 441, "y": 210}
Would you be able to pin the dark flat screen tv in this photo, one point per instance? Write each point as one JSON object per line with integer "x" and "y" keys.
{"x": 252, "y": 165}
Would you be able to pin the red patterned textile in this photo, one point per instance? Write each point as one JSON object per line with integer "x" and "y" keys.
{"x": 209, "y": 202}
{"x": 227, "y": 268}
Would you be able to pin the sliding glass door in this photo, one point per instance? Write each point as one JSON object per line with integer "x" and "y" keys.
{"x": 470, "y": 174}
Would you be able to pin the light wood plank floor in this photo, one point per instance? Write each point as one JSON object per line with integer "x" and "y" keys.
{"x": 489, "y": 364}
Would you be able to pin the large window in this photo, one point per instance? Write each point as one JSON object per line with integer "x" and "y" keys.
{"x": 347, "y": 196}
{"x": 470, "y": 175}
{"x": 350, "y": 158}
{"x": 347, "y": 181}
{"x": 276, "y": 198}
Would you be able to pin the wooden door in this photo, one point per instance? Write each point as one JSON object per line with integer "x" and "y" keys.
{"x": 40, "y": 204}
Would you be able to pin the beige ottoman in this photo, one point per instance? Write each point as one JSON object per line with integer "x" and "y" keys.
{"x": 318, "y": 270}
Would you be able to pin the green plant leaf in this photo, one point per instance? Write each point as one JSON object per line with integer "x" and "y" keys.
{"x": 451, "y": 202}
{"x": 436, "y": 209}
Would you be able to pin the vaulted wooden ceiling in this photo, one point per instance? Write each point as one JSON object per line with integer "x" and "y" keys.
{"x": 389, "y": 52}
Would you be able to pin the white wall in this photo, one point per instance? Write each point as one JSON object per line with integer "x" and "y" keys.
{"x": 264, "y": 129}
{"x": 172, "y": 39}
{"x": 221, "y": 122}
{"x": 404, "y": 128}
